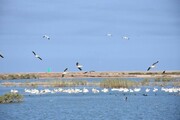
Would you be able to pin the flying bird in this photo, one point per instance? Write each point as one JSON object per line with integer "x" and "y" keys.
{"x": 64, "y": 72}
{"x": 152, "y": 66}
{"x": 47, "y": 37}
{"x": 1, "y": 55}
{"x": 125, "y": 38}
{"x": 37, "y": 56}
{"x": 109, "y": 34}
{"x": 164, "y": 72}
{"x": 79, "y": 66}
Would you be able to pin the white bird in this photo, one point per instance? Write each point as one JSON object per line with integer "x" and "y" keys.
{"x": 47, "y": 37}
{"x": 152, "y": 66}
{"x": 105, "y": 90}
{"x": 85, "y": 90}
{"x": 109, "y": 34}
{"x": 147, "y": 90}
{"x": 125, "y": 38}
{"x": 95, "y": 90}
{"x": 79, "y": 66}
{"x": 1, "y": 55}
{"x": 155, "y": 90}
{"x": 64, "y": 72}
{"x": 37, "y": 56}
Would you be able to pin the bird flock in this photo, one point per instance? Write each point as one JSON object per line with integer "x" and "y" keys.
{"x": 99, "y": 90}
{"x": 80, "y": 66}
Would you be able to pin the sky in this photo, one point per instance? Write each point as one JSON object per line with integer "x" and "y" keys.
{"x": 78, "y": 30}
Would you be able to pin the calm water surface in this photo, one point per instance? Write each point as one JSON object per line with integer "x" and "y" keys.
{"x": 101, "y": 106}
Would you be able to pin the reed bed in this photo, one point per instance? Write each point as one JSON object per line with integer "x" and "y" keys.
{"x": 50, "y": 84}
{"x": 118, "y": 83}
{"x": 11, "y": 98}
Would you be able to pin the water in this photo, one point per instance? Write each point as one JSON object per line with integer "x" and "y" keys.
{"x": 101, "y": 106}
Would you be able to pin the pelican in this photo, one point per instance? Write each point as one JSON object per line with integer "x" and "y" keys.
{"x": 125, "y": 38}
{"x": 109, "y": 35}
{"x": 152, "y": 66}
{"x": 79, "y": 66}
{"x": 64, "y": 72}
{"x": 37, "y": 56}
{"x": 47, "y": 37}
{"x": 1, "y": 55}
{"x": 147, "y": 90}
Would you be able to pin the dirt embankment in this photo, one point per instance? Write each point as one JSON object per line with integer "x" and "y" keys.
{"x": 136, "y": 74}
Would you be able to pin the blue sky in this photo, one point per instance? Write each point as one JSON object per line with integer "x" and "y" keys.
{"x": 78, "y": 33}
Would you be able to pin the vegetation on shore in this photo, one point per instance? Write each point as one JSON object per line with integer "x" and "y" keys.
{"x": 17, "y": 76}
{"x": 90, "y": 74}
{"x": 11, "y": 98}
{"x": 117, "y": 83}
{"x": 48, "y": 84}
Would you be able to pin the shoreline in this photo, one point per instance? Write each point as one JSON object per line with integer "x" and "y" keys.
{"x": 110, "y": 74}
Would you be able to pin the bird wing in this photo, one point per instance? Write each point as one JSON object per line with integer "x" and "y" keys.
{"x": 33, "y": 52}
{"x": 155, "y": 63}
{"x": 2, "y": 56}
{"x": 65, "y": 69}
{"x": 80, "y": 68}
{"x": 148, "y": 68}
{"x": 39, "y": 58}
{"x": 77, "y": 64}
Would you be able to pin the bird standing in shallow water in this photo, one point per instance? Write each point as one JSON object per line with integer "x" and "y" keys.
{"x": 37, "y": 56}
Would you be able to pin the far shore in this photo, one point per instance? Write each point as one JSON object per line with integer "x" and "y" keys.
{"x": 133, "y": 74}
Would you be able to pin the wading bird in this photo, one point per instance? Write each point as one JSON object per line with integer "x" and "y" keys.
{"x": 152, "y": 66}
{"x": 47, "y": 37}
{"x": 37, "y": 56}
{"x": 79, "y": 66}
{"x": 64, "y": 73}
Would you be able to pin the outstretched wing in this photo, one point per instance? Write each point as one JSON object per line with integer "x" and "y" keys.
{"x": 40, "y": 58}
{"x": 65, "y": 69}
{"x": 155, "y": 63}
{"x": 77, "y": 64}
{"x": 1, "y": 56}
{"x": 33, "y": 52}
{"x": 80, "y": 68}
{"x": 148, "y": 68}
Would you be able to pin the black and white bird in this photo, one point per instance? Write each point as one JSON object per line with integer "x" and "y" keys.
{"x": 46, "y": 36}
{"x": 37, "y": 56}
{"x": 64, "y": 73}
{"x": 125, "y": 38}
{"x": 152, "y": 66}
{"x": 79, "y": 66}
{"x": 1, "y": 55}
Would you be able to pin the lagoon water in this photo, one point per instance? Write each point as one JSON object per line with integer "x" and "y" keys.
{"x": 101, "y": 106}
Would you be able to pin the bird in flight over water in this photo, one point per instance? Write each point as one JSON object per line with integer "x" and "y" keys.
{"x": 64, "y": 72}
{"x": 125, "y": 38}
{"x": 37, "y": 56}
{"x": 79, "y": 66}
{"x": 152, "y": 66}
{"x": 46, "y": 36}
